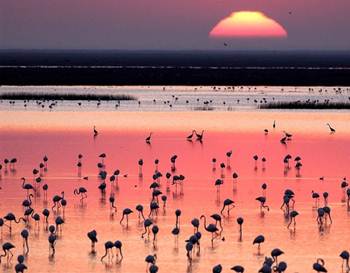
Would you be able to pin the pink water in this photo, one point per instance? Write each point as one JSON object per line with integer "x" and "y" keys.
{"x": 122, "y": 139}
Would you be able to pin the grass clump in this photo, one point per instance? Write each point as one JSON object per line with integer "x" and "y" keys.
{"x": 64, "y": 96}
{"x": 305, "y": 105}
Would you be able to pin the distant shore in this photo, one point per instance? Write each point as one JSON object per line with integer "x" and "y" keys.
{"x": 174, "y": 76}
{"x": 113, "y": 67}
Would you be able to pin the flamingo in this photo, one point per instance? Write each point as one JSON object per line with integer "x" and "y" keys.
{"x": 20, "y": 267}
{"x": 118, "y": 245}
{"x": 280, "y": 267}
{"x": 27, "y": 186}
{"x": 59, "y": 222}
{"x": 95, "y": 131}
{"x": 320, "y": 215}
{"x": 139, "y": 208}
{"x": 56, "y": 199}
{"x": 46, "y": 213}
{"x": 151, "y": 259}
{"x": 148, "y": 139}
{"x": 155, "y": 230}
{"x": 189, "y": 248}
{"x": 153, "y": 268}
{"x": 153, "y": 208}
{"x": 240, "y": 221}
{"x": 140, "y": 167}
{"x": 6, "y": 247}
{"x": 11, "y": 217}
{"x": 164, "y": 199}
{"x": 264, "y": 187}
{"x": 327, "y": 211}
{"x": 325, "y": 198}
{"x": 217, "y": 268}
{"x": 25, "y": 235}
{"x": 259, "y": 240}
{"x": 345, "y": 257}
{"x": 173, "y": 162}
{"x": 108, "y": 248}
{"x": 199, "y": 136}
{"x": 292, "y": 216}
{"x": 82, "y": 192}
{"x": 316, "y": 197}
{"x": 288, "y": 135}
{"x": 238, "y": 269}
{"x": 229, "y": 204}
{"x": 195, "y": 224}
{"x": 213, "y": 161}
{"x": 331, "y": 128}
{"x": 146, "y": 224}
{"x": 113, "y": 208}
{"x": 210, "y": 228}
{"x": 319, "y": 266}
{"x": 217, "y": 219}
{"x": 255, "y": 157}
{"x": 228, "y": 157}
{"x": 262, "y": 201}
{"x": 45, "y": 159}
{"x": 126, "y": 213}
{"x": 218, "y": 183}
{"x": 27, "y": 202}
{"x": 189, "y": 137}
{"x": 176, "y": 229}
{"x": 45, "y": 188}
{"x": 275, "y": 253}
{"x": 92, "y": 235}
{"x": 52, "y": 240}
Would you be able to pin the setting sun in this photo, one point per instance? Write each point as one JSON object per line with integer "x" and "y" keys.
{"x": 248, "y": 24}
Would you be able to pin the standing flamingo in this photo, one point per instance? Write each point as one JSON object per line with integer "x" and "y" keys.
{"x": 20, "y": 267}
{"x": 56, "y": 199}
{"x": 275, "y": 253}
{"x": 210, "y": 228}
{"x": 126, "y": 213}
{"x": 262, "y": 201}
{"x": 259, "y": 240}
{"x": 155, "y": 230}
{"x": 118, "y": 245}
{"x": 92, "y": 235}
{"x": 82, "y": 192}
{"x": 229, "y": 204}
{"x": 25, "y": 235}
{"x": 6, "y": 247}
{"x": 146, "y": 224}
{"x": 199, "y": 136}
{"x": 11, "y": 217}
{"x": 148, "y": 139}
{"x": 240, "y": 221}
{"x": 292, "y": 216}
{"x": 108, "y": 248}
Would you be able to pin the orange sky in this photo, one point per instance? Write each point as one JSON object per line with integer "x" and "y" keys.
{"x": 166, "y": 24}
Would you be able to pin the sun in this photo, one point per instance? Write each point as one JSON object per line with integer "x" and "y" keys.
{"x": 248, "y": 24}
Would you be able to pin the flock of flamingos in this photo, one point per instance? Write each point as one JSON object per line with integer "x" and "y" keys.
{"x": 54, "y": 216}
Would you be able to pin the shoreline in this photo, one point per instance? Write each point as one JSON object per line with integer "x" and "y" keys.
{"x": 173, "y": 76}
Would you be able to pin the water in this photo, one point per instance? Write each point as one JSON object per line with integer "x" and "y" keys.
{"x": 62, "y": 135}
{"x": 176, "y": 98}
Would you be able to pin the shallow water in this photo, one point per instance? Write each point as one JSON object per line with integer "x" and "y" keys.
{"x": 175, "y": 98}
{"x": 61, "y": 136}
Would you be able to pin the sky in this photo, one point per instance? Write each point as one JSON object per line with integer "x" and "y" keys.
{"x": 168, "y": 24}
